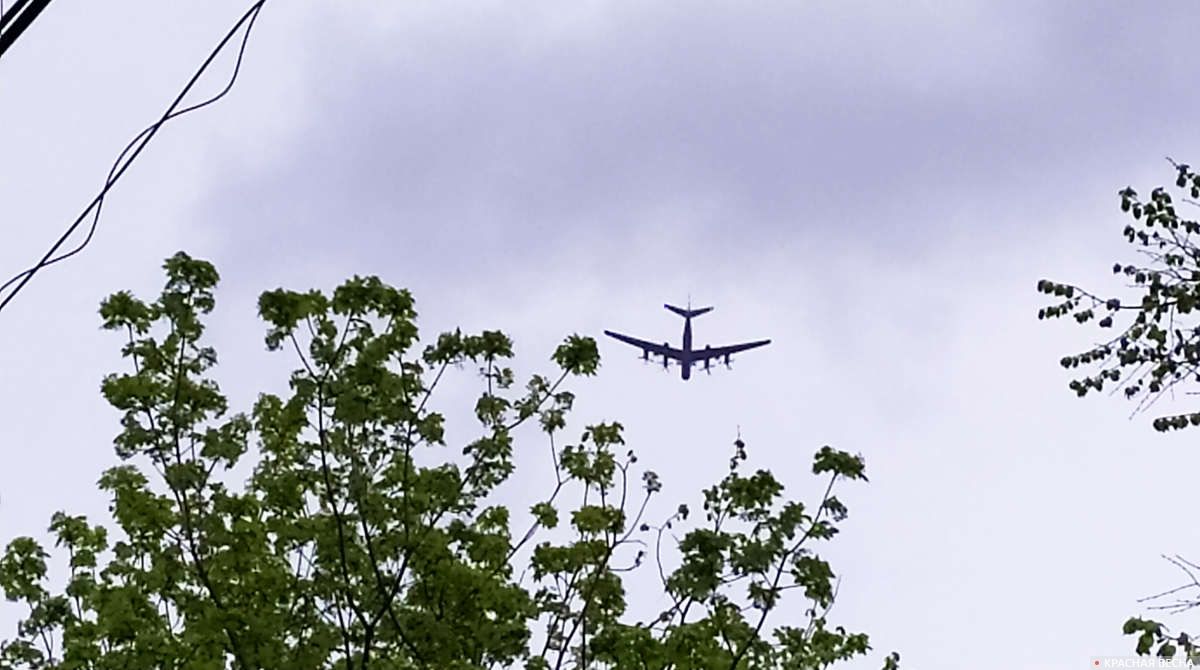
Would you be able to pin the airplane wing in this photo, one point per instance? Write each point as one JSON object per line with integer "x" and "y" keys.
{"x": 651, "y": 347}
{"x": 709, "y": 353}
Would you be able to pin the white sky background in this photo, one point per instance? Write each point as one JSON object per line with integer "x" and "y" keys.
{"x": 876, "y": 190}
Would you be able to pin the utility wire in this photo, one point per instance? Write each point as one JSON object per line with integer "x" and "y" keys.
{"x": 17, "y": 19}
{"x": 135, "y": 146}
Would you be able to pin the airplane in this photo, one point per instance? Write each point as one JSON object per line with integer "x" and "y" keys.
{"x": 687, "y": 355}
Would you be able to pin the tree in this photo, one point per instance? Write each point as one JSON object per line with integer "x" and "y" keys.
{"x": 355, "y": 543}
{"x": 1154, "y": 350}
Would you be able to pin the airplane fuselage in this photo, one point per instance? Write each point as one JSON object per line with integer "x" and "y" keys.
{"x": 686, "y": 360}
{"x": 686, "y": 364}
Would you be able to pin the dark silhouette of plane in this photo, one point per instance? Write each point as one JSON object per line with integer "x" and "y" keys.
{"x": 687, "y": 356}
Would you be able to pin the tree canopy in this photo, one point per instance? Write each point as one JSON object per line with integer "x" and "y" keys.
{"x": 355, "y": 539}
{"x": 1154, "y": 347}
{"x": 1158, "y": 345}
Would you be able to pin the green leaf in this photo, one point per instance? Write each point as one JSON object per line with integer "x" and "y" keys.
{"x": 1145, "y": 642}
{"x": 545, "y": 514}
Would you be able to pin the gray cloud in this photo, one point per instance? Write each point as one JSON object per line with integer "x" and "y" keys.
{"x": 484, "y": 134}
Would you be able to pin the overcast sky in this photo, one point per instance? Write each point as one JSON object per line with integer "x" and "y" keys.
{"x": 877, "y": 189}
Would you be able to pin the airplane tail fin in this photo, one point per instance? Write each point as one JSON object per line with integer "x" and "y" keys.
{"x": 687, "y": 313}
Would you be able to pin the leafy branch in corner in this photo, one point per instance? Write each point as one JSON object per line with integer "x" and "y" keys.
{"x": 1157, "y": 346}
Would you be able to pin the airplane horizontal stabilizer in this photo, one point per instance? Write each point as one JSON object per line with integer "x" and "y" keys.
{"x": 687, "y": 313}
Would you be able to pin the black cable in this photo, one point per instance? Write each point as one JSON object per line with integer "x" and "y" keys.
{"x": 6, "y": 18}
{"x": 141, "y": 140}
{"x": 17, "y": 20}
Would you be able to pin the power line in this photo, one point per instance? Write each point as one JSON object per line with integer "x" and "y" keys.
{"x": 19, "y": 17}
{"x": 135, "y": 146}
